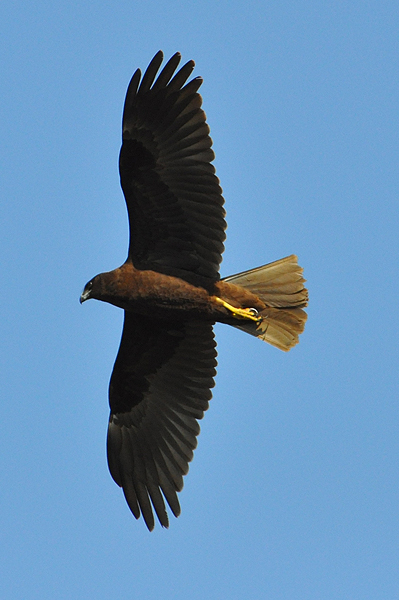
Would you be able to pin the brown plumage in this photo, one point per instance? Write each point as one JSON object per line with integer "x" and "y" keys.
{"x": 170, "y": 290}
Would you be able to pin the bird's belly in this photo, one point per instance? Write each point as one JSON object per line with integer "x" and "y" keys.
{"x": 166, "y": 297}
{"x": 170, "y": 307}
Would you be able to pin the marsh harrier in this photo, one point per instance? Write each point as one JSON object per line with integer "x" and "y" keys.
{"x": 171, "y": 293}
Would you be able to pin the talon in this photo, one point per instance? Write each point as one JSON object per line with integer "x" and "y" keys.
{"x": 240, "y": 313}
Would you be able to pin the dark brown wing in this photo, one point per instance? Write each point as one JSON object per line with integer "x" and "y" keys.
{"x": 159, "y": 388}
{"x": 174, "y": 200}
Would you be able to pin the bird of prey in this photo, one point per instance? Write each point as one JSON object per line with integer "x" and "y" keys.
{"x": 171, "y": 292}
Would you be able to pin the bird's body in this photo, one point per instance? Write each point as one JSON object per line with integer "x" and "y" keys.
{"x": 171, "y": 293}
{"x": 153, "y": 294}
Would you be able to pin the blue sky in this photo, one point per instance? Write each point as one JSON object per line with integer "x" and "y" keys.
{"x": 294, "y": 489}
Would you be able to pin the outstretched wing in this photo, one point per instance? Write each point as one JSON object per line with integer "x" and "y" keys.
{"x": 174, "y": 200}
{"x": 160, "y": 387}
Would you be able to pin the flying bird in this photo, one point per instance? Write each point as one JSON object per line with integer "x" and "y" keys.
{"x": 171, "y": 292}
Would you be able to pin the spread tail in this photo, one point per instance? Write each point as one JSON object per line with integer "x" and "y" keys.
{"x": 280, "y": 286}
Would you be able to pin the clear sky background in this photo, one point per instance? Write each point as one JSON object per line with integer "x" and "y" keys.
{"x": 294, "y": 491}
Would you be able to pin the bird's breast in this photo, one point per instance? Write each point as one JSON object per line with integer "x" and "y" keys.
{"x": 155, "y": 294}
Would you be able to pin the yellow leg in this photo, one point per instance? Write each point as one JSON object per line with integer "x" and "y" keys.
{"x": 240, "y": 313}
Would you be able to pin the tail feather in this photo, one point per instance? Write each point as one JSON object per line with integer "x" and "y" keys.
{"x": 280, "y": 286}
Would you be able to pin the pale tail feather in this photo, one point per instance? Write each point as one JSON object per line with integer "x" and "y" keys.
{"x": 280, "y": 285}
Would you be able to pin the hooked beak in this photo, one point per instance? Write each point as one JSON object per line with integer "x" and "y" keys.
{"x": 85, "y": 296}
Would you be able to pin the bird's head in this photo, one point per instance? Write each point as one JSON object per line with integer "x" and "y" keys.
{"x": 107, "y": 287}
{"x": 92, "y": 289}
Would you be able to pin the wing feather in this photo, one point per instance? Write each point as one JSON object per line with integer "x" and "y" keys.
{"x": 159, "y": 389}
{"x": 150, "y": 73}
{"x": 167, "y": 72}
{"x": 173, "y": 196}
